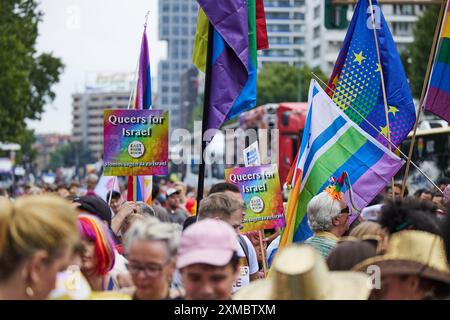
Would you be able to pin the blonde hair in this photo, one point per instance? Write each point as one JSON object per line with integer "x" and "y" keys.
{"x": 34, "y": 223}
{"x": 367, "y": 229}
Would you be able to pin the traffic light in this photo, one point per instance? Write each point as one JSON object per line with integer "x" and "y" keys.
{"x": 335, "y": 15}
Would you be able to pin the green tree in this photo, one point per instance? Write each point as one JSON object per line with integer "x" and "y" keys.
{"x": 415, "y": 57}
{"x": 26, "y": 77}
{"x": 70, "y": 154}
{"x": 279, "y": 82}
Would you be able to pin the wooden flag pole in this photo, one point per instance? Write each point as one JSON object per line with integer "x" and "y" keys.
{"x": 201, "y": 173}
{"x": 422, "y": 96}
{"x": 383, "y": 88}
{"x": 111, "y": 191}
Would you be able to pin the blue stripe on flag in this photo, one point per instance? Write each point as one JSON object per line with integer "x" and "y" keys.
{"x": 440, "y": 72}
{"x": 218, "y": 46}
{"x": 148, "y": 91}
{"x": 323, "y": 138}
{"x": 247, "y": 98}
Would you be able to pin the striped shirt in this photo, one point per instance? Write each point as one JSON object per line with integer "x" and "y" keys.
{"x": 324, "y": 242}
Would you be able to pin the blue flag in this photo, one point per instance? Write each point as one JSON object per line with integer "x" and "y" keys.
{"x": 356, "y": 79}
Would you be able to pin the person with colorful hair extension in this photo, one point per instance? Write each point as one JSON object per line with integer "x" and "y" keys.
{"x": 98, "y": 255}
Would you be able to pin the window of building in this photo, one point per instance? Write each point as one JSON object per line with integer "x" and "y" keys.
{"x": 277, "y": 15}
{"x": 165, "y": 31}
{"x": 317, "y": 12}
{"x": 299, "y": 53}
{"x": 175, "y": 30}
{"x": 165, "y": 19}
{"x": 176, "y": 7}
{"x": 165, "y": 101}
{"x": 299, "y": 40}
{"x": 316, "y": 52}
{"x": 316, "y": 32}
{"x": 175, "y": 100}
{"x": 299, "y": 3}
{"x": 299, "y": 16}
{"x": 299, "y": 28}
{"x": 176, "y": 19}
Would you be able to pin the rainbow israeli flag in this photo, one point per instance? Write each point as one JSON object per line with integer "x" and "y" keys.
{"x": 332, "y": 144}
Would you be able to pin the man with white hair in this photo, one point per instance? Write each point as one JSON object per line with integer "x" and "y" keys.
{"x": 328, "y": 219}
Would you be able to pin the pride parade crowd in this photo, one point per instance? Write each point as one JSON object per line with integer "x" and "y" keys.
{"x": 66, "y": 242}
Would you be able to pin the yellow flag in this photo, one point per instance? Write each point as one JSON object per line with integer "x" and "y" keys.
{"x": 201, "y": 42}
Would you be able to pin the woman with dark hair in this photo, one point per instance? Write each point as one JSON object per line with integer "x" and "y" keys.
{"x": 409, "y": 214}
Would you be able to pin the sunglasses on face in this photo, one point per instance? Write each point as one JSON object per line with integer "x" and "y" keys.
{"x": 345, "y": 210}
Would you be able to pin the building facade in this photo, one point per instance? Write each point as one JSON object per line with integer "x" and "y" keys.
{"x": 103, "y": 91}
{"x": 177, "y": 25}
{"x": 298, "y": 33}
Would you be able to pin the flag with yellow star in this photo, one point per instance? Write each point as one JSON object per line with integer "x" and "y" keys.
{"x": 355, "y": 84}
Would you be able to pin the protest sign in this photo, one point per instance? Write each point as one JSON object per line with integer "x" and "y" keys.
{"x": 135, "y": 142}
{"x": 251, "y": 155}
{"x": 260, "y": 189}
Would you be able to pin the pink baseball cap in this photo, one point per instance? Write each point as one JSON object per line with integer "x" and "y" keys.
{"x": 208, "y": 241}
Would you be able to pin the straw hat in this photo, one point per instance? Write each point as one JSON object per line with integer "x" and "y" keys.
{"x": 412, "y": 252}
{"x": 300, "y": 273}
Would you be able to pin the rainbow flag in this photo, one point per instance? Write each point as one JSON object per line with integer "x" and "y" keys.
{"x": 356, "y": 82}
{"x": 438, "y": 95}
{"x": 234, "y": 58}
{"x": 140, "y": 187}
{"x": 333, "y": 144}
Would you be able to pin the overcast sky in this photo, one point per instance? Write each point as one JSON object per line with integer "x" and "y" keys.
{"x": 93, "y": 36}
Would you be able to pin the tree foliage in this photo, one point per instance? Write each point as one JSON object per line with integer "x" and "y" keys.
{"x": 415, "y": 57}
{"x": 69, "y": 155}
{"x": 278, "y": 82}
{"x": 26, "y": 77}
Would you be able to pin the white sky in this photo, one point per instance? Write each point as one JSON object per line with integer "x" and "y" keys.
{"x": 92, "y": 36}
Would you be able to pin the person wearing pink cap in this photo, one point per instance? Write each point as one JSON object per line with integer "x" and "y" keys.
{"x": 208, "y": 260}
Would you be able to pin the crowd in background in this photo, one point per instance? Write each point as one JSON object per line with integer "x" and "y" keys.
{"x": 67, "y": 242}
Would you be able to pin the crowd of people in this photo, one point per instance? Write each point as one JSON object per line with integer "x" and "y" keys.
{"x": 67, "y": 242}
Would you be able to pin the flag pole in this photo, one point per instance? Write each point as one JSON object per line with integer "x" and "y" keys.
{"x": 422, "y": 95}
{"x": 201, "y": 173}
{"x": 383, "y": 88}
{"x": 131, "y": 192}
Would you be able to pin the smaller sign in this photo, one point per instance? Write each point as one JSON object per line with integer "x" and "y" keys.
{"x": 251, "y": 155}
{"x": 261, "y": 191}
{"x": 135, "y": 142}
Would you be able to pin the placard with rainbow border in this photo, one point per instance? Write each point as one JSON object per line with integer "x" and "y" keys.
{"x": 135, "y": 142}
{"x": 261, "y": 191}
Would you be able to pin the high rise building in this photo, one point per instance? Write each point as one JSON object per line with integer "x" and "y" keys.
{"x": 177, "y": 25}
{"x": 326, "y": 43}
{"x": 102, "y": 91}
{"x": 298, "y": 31}
{"x": 287, "y": 30}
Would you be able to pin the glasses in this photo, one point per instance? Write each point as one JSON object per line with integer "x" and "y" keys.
{"x": 149, "y": 270}
{"x": 345, "y": 210}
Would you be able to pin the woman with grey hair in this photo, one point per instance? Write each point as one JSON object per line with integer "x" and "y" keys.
{"x": 328, "y": 219}
{"x": 151, "y": 246}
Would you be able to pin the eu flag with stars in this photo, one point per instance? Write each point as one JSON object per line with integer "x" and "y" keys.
{"x": 356, "y": 79}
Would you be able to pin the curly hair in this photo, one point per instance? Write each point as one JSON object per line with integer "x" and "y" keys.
{"x": 409, "y": 213}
